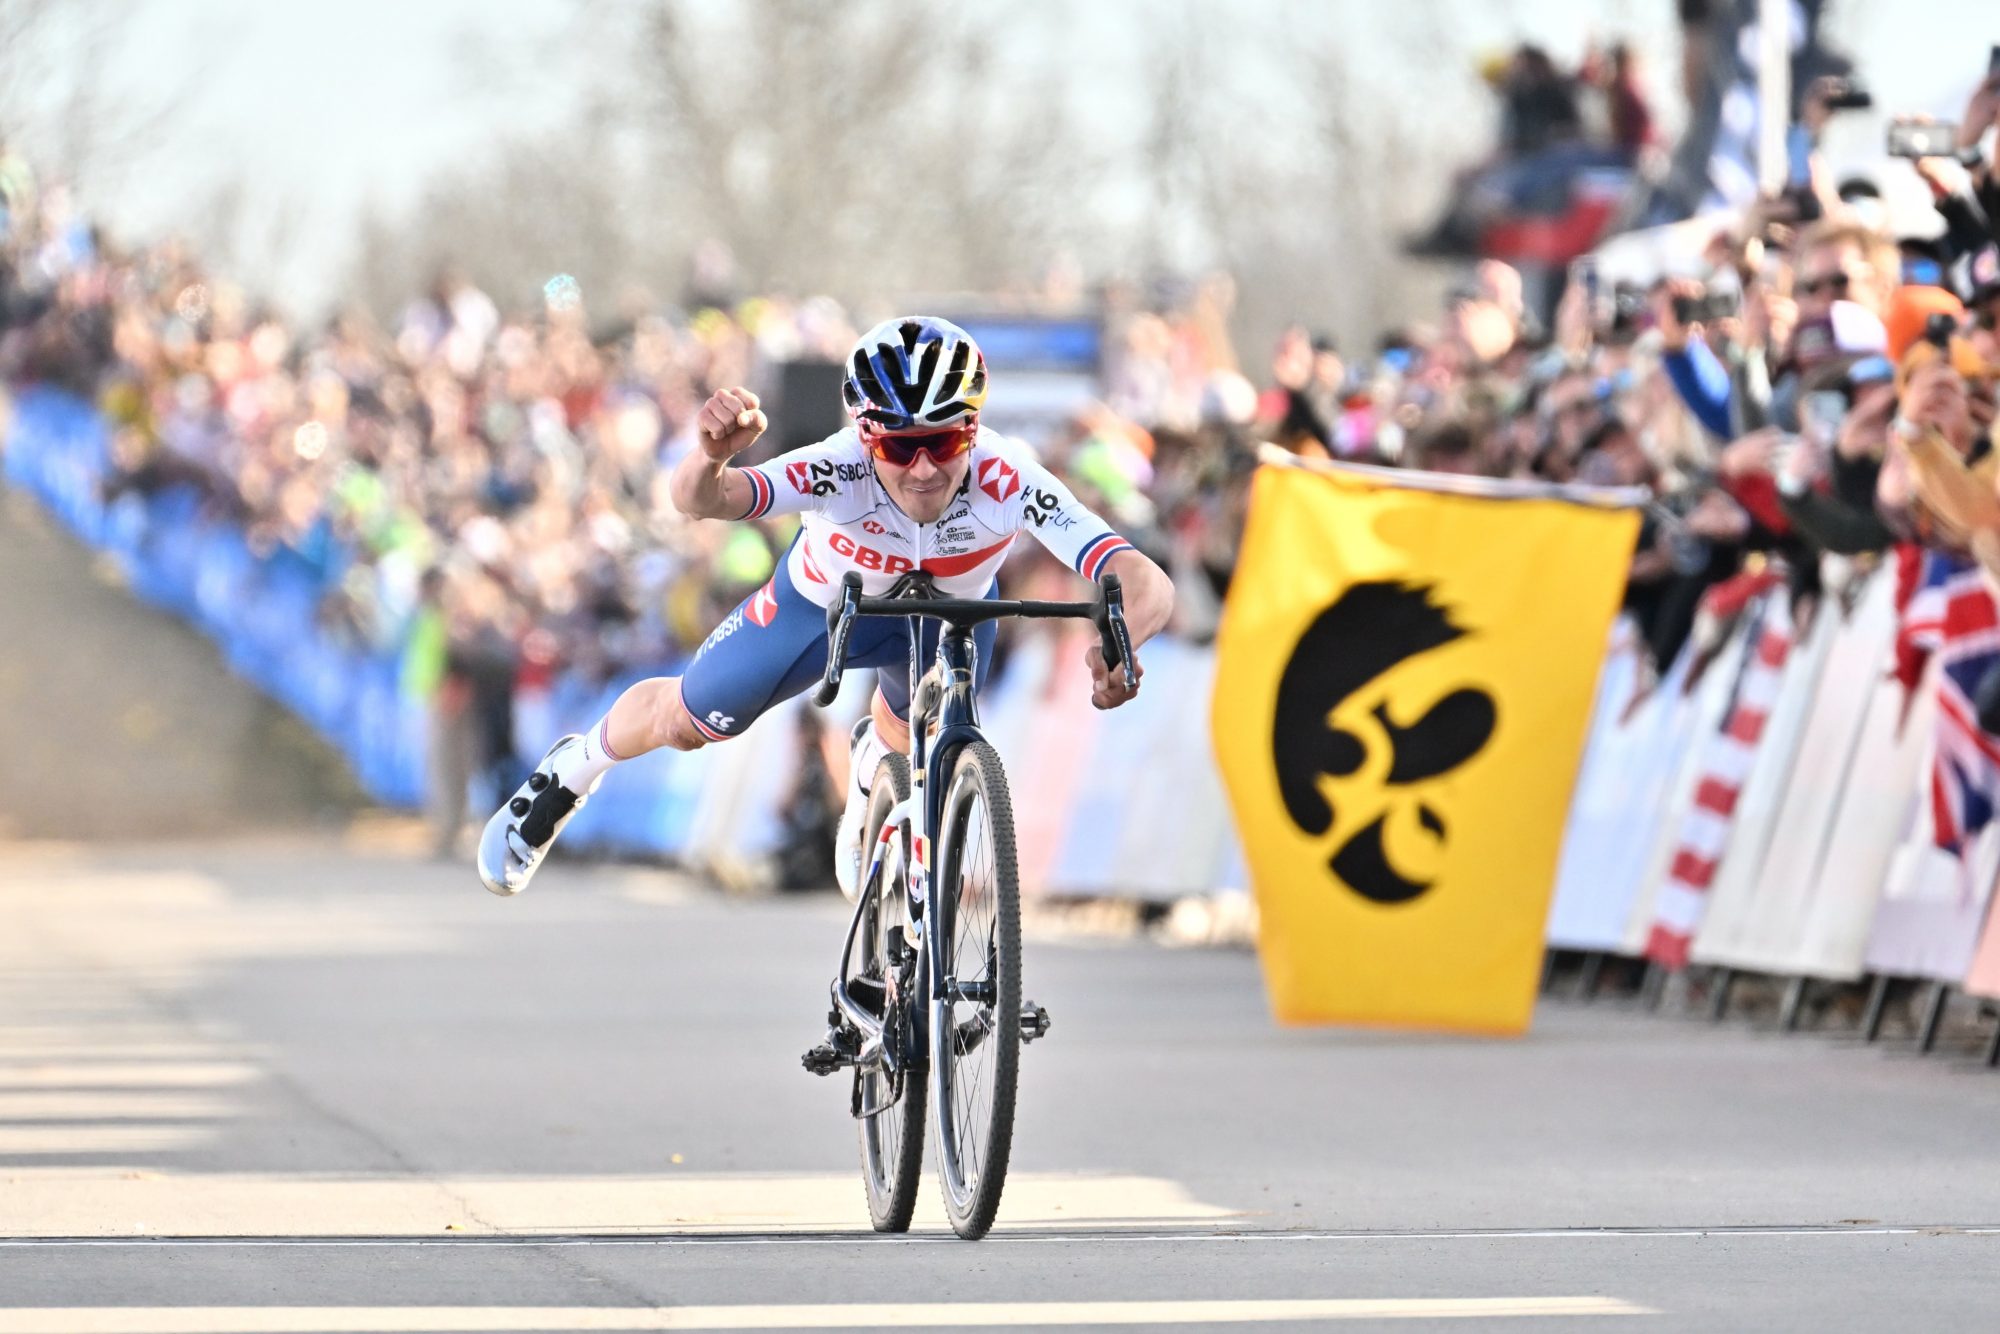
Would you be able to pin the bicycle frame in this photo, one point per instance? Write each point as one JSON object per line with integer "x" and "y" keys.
{"x": 944, "y": 719}
{"x": 949, "y": 699}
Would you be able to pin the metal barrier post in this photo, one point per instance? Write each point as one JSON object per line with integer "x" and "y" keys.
{"x": 1654, "y": 988}
{"x": 1933, "y": 1016}
{"x": 1593, "y": 972}
{"x": 1878, "y": 1000}
{"x": 1718, "y": 1001}
{"x": 1788, "y": 1012}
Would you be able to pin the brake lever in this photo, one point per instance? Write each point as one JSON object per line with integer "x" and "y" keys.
{"x": 1112, "y": 635}
{"x": 839, "y": 624}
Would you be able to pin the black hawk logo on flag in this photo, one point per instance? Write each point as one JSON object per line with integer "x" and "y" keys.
{"x": 1370, "y": 630}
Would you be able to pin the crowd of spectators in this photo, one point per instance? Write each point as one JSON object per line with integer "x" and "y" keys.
{"x": 1778, "y": 400}
{"x": 482, "y": 492}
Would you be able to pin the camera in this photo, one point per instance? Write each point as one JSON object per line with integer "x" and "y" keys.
{"x": 1626, "y": 307}
{"x": 1939, "y": 330}
{"x": 1846, "y": 97}
{"x": 1707, "y": 307}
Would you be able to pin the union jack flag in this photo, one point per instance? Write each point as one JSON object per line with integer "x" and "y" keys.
{"x": 1951, "y": 614}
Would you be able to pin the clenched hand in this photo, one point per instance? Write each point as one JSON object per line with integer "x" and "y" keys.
{"x": 731, "y": 421}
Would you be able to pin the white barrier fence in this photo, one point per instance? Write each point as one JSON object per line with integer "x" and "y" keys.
{"x": 1771, "y": 813}
{"x": 1763, "y": 809}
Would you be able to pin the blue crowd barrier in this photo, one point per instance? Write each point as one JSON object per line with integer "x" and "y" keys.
{"x": 262, "y": 612}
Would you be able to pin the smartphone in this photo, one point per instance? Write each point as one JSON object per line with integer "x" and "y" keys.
{"x": 1915, "y": 139}
{"x": 1583, "y": 272}
{"x": 1821, "y": 414}
{"x": 1993, "y": 62}
{"x": 1785, "y": 451}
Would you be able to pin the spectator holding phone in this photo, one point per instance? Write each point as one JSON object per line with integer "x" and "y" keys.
{"x": 1826, "y": 475}
{"x": 1982, "y": 113}
{"x": 1838, "y": 262}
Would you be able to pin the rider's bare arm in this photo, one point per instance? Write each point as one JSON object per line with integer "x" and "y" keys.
{"x": 1149, "y": 601}
{"x": 703, "y": 485}
{"x": 1149, "y": 594}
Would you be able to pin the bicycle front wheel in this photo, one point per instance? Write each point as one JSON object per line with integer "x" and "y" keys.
{"x": 891, "y": 1106}
{"x": 976, "y": 1049}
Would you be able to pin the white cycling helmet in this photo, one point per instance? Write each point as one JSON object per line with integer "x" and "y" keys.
{"x": 914, "y": 372}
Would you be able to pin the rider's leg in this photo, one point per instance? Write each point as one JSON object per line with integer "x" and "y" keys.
{"x": 645, "y": 718}
{"x": 770, "y": 647}
{"x": 894, "y": 731}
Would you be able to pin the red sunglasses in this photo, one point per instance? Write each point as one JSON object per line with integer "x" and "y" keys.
{"x": 902, "y": 447}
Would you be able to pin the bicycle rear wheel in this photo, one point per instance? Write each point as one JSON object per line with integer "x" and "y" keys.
{"x": 976, "y": 1051}
{"x": 892, "y": 1138}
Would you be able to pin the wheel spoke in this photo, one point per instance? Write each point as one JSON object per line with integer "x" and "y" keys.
{"x": 975, "y": 1075}
{"x": 972, "y": 927}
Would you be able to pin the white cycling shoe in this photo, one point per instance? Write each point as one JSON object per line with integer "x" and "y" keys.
{"x": 865, "y": 752}
{"x": 521, "y": 832}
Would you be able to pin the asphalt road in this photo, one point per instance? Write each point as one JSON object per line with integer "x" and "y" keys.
{"x": 288, "y": 1086}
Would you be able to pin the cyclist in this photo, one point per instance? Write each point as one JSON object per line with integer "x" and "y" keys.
{"x": 916, "y": 483}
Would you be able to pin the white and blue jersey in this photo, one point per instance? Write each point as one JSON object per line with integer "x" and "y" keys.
{"x": 774, "y": 644}
{"x": 850, "y": 523}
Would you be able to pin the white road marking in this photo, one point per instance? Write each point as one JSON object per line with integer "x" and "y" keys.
{"x": 66, "y": 1141}
{"x": 1003, "y": 1236}
{"x": 63, "y": 1072}
{"x": 100, "y": 1201}
{"x": 62, "y": 1104}
{"x": 915, "y": 1315}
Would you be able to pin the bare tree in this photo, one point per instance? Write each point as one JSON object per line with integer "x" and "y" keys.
{"x": 857, "y": 149}
{"x": 59, "y": 98}
{"x": 877, "y": 151}
{"x": 532, "y": 209}
{"x": 1271, "y": 154}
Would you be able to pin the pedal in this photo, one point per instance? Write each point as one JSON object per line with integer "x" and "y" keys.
{"x": 825, "y": 1059}
{"x": 1034, "y": 1022}
{"x": 839, "y": 1050}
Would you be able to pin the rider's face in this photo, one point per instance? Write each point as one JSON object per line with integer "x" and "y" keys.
{"x": 924, "y": 488}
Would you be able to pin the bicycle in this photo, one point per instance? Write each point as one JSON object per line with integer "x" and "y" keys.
{"x": 927, "y": 999}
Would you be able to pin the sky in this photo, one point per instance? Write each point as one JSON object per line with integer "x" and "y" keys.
{"x": 321, "y": 109}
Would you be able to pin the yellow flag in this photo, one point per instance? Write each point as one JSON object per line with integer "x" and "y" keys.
{"x": 1403, "y": 681}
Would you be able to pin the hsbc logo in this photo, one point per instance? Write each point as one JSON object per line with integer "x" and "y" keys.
{"x": 729, "y": 626}
{"x": 870, "y": 526}
{"x": 764, "y": 606}
{"x": 998, "y": 479}
{"x": 800, "y": 477}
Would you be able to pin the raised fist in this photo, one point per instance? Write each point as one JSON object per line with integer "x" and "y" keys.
{"x": 730, "y": 423}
